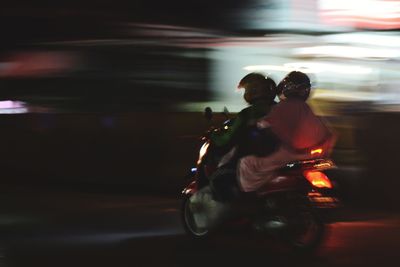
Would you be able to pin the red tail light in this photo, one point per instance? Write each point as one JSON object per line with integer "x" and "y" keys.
{"x": 317, "y": 151}
{"x": 318, "y": 179}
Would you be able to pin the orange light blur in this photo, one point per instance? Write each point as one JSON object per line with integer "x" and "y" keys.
{"x": 203, "y": 151}
{"x": 316, "y": 151}
{"x": 318, "y": 179}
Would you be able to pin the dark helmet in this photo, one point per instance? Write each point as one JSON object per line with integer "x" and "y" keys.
{"x": 295, "y": 85}
{"x": 258, "y": 87}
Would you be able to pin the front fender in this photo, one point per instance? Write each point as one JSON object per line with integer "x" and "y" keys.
{"x": 190, "y": 189}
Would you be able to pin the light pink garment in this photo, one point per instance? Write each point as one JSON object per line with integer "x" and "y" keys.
{"x": 297, "y": 126}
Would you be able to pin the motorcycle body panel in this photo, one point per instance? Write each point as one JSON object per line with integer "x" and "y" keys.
{"x": 281, "y": 183}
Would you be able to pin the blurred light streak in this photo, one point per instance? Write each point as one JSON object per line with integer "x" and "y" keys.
{"x": 366, "y": 8}
{"x": 365, "y": 23}
{"x": 12, "y": 107}
{"x": 10, "y": 104}
{"x": 38, "y": 63}
{"x": 312, "y": 68}
{"x": 374, "y": 38}
{"x": 342, "y": 95}
{"x": 14, "y": 111}
{"x": 116, "y": 237}
{"x": 101, "y": 237}
{"x": 270, "y": 67}
{"x": 376, "y": 14}
{"x": 347, "y": 52}
{"x": 165, "y": 30}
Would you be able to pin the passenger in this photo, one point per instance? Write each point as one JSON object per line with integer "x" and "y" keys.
{"x": 298, "y": 129}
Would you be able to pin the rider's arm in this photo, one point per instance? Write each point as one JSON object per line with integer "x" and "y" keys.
{"x": 225, "y": 137}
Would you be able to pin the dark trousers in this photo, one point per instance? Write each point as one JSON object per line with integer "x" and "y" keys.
{"x": 223, "y": 183}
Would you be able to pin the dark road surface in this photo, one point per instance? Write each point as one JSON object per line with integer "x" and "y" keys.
{"x": 93, "y": 229}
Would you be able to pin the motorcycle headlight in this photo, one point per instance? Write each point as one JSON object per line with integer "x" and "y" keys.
{"x": 203, "y": 151}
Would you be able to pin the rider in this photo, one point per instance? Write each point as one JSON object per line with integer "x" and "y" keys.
{"x": 213, "y": 200}
{"x": 259, "y": 93}
{"x": 299, "y": 130}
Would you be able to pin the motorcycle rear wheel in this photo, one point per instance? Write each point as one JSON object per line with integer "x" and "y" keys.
{"x": 307, "y": 231}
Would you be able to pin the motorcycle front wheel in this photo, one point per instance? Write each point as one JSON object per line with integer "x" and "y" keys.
{"x": 191, "y": 220}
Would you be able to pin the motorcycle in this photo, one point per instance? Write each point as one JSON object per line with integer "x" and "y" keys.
{"x": 294, "y": 206}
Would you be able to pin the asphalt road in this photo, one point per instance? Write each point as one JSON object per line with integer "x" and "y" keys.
{"x": 93, "y": 229}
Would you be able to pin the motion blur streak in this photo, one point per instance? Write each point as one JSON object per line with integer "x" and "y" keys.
{"x": 12, "y": 107}
{"x": 312, "y": 68}
{"x": 377, "y": 14}
{"x": 109, "y": 96}
{"x": 105, "y": 238}
{"x": 347, "y": 52}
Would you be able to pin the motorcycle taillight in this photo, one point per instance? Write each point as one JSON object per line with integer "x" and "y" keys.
{"x": 317, "y": 151}
{"x": 318, "y": 179}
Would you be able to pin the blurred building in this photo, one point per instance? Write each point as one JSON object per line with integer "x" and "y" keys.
{"x": 139, "y": 74}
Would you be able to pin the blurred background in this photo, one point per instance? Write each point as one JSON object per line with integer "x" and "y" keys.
{"x": 110, "y": 94}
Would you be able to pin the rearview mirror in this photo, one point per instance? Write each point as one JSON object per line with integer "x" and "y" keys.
{"x": 208, "y": 113}
{"x": 226, "y": 112}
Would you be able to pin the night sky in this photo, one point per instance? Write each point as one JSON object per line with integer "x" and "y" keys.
{"x": 65, "y": 20}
